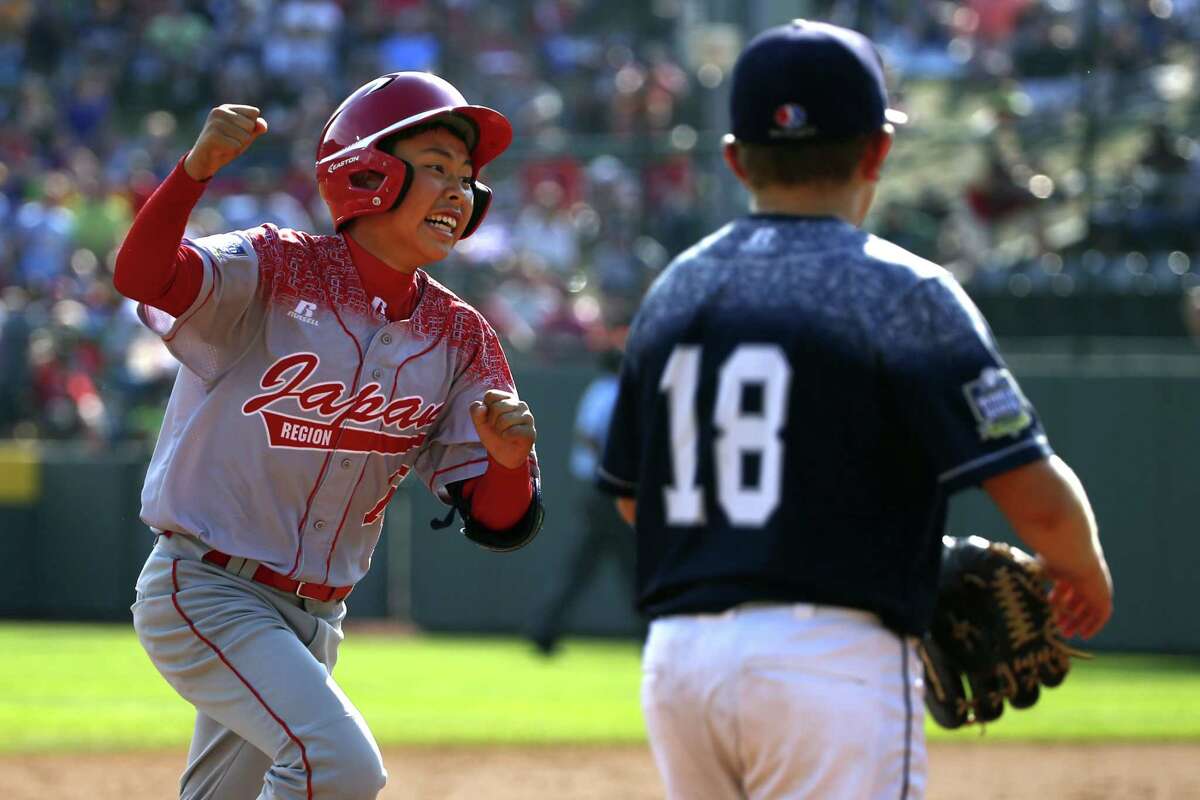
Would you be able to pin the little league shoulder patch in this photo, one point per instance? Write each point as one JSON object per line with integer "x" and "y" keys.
{"x": 997, "y": 404}
{"x": 229, "y": 245}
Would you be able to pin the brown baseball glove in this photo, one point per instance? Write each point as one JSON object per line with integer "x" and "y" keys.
{"x": 993, "y": 636}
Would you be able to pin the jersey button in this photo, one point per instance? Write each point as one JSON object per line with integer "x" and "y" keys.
{"x": 376, "y": 374}
{"x": 319, "y": 524}
{"x": 345, "y": 463}
{"x": 387, "y": 338}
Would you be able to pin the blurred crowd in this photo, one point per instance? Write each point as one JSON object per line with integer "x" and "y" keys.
{"x": 1081, "y": 164}
{"x": 613, "y": 171}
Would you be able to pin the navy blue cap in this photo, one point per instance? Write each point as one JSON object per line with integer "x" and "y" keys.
{"x": 808, "y": 80}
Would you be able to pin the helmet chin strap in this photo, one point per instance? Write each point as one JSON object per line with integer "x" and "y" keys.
{"x": 483, "y": 199}
{"x": 482, "y": 193}
{"x": 408, "y": 179}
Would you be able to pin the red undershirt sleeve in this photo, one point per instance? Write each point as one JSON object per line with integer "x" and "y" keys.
{"x": 500, "y": 496}
{"x": 153, "y": 266}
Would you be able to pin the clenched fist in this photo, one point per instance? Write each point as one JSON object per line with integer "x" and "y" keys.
{"x": 226, "y": 134}
{"x": 505, "y": 427}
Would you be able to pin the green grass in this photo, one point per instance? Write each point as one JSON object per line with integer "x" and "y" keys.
{"x": 81, "y": 687}
{"x": 1109, "y": 698}
{"x": 65, "y": 687}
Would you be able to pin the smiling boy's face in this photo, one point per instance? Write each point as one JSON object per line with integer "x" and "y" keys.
{"x": 430, "y": 220}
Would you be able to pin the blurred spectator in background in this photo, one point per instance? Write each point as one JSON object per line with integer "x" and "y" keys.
{"x": 998, "y": 195}
{"x": 599, "y": 532}
{"x": 101, "y": 218}
{"x": 1167, "y": 174}
{"x": 15, "y": 330}
{"x": 44, "y": 230}
{"x": 1191, "y": 313}
{"x": 67, "y": 363}
{"x": 300, "y": 52}
{"x": 407, "y": 42}
{"x": 260, "y": 200}
{"x": 1155, "y": 205}
{"x": 919, "y": 225}
{"x": 544, "y": 233}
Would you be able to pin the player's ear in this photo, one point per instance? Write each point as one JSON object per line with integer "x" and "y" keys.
{"x": 876, "y": 152}
{"x": 732, "y": 152}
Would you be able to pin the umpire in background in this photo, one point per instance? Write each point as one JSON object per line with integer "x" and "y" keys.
{"x": 797, "y": 403}
{"x": 603, "y": 533}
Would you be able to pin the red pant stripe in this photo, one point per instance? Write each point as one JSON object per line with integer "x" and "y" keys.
{"x": 246, "y": 683}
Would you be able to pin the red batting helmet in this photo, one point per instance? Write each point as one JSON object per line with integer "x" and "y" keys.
{"x": 350, "y": 143}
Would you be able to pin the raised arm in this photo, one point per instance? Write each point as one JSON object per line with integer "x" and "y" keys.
{"x": 153, "y": 267}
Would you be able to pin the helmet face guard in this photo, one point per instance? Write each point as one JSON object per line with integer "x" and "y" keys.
{"x": 351, "y": 143}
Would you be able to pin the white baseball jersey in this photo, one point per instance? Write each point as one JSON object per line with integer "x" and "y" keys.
{"x": 299, "y": 409}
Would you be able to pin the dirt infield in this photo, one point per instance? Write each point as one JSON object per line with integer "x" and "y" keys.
{"x": 984, "y": 771}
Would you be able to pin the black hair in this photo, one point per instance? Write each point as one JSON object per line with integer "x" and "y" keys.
{"x": 368, "y": 179}
{"x": 803, "y": 161}
{"x": 437, "y": 123}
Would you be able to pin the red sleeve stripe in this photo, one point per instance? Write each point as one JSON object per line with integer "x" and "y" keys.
{"x": 433, "y": 477}
{"x": 240, "y": 677}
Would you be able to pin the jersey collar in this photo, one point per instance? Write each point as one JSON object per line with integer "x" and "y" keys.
{"x": 397, "y": 290}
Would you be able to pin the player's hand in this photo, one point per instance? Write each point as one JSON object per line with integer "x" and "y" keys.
{"x": 1082, "y": 605}
{"x": 505, "y": 427}
{"x": 226, "y": 134}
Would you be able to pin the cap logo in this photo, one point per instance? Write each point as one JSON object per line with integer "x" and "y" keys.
{"x": 791, "y": 116}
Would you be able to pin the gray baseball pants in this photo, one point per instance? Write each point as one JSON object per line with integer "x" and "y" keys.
{"x": 271, "y": 723}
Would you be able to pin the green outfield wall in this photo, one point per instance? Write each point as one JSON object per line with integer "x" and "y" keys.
{"x": 71, "y": 544}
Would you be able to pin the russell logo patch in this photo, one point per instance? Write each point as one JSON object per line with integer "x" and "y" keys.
{"x": 303, "y": 312}
{"x": 997, "y": 404}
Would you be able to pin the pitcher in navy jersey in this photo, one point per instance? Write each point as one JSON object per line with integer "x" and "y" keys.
{"x": 798, "y": 401}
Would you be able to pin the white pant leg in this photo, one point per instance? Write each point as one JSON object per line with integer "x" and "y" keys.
{"x": 830, "y": 707}
{"x": 784, "y": 702}
{"x": 258, "y": 664}
{"x": 687, "y": 696}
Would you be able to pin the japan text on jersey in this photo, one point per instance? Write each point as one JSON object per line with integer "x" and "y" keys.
{"x": 341, "y": 414}
{"x": 299, "y": 410}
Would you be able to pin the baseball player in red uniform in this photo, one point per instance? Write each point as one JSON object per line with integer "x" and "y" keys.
{"x": 318, "y": 372}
